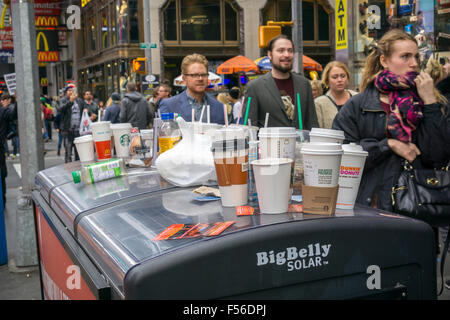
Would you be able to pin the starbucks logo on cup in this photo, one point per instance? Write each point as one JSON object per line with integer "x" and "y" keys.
{"x": 125, "y": 140}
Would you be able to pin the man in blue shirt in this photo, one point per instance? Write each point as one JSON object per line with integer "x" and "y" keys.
{"x": 195, "y": 74}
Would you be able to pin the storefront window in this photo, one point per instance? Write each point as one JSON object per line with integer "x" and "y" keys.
{"x": 134, "y": 21}
{"x": 324, "y": 24}
{"x": 112, "y": 25}
{"x": 308, "y": 20}
{"x": 200, "y": 20}
{"x": 122, "y": 20}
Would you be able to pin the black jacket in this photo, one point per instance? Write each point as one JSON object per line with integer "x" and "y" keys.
{"x": 65, "y": 108}
{"x": 364, "y": 122}
{"x": 444, "y": 87}
{"x": 136, "y": 110}
{"x": 7, "y": 115}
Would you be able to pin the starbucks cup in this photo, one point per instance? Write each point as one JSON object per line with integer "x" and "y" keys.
{"x": 272, "y": 179}
{"x": 326, "y": 135}
{"x": 352, "y": 166}
{"x": 277, "y": 142}
{"x": 231, "y": 163}
{"x": 121, "y": 134}
{"x": 101, "y": 134}
{"x": 85, "y": 148}
{"x": 321, "y": 163}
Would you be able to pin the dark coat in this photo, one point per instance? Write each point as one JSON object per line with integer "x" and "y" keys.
{"x": 364, "y": 122}
{"x": 65, "y": 108}
{"x": 136, "y": 110}
{"x": 265, "y": 97}
{"x": 112, "y": 113}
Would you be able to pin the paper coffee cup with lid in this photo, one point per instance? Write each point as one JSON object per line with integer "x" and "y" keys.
{"x": 326, "y": 135}
{"x": 321, "y": 162}
{"x": 351, "y": 170}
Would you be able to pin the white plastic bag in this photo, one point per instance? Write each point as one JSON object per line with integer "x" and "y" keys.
{"x": 190, "y": 162}
{"x": 85, "y": 124}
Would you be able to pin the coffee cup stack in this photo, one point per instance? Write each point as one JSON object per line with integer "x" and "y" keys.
{"x": 321, "y": 162}
{"x": 274, "y": 170}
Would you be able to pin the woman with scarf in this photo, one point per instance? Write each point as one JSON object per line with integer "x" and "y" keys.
{"x": 396, "y": 116}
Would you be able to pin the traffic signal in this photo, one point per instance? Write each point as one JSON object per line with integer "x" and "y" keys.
{"x": 140, "y": 65}
{"x": 266, "y": 33}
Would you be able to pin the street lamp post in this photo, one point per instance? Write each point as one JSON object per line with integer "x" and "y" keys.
{"x": 30, "y": 126}
{"x": 297, "y": 35}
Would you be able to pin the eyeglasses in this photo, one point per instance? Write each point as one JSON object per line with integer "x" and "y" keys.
{"x": 196, "y": 75}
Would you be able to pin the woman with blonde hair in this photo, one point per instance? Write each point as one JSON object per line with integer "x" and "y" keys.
{"x": 335, "y": 77}
{"x": 316, "y": 86}
{"x": 222, "y": 97}
{"x": 396, "y": 117}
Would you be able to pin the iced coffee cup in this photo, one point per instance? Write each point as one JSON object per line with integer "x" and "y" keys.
{"x": 277, "y": 142}
{"x": 231, "y": 163}
{"x": 326, "y": 135}
{"x": 352, "y": 166}
{"x": 101, "y": 134}
{"x": 121, "y": 134}
{"x": 321, "y": 163}
{"x": 85, "y": 148}
{"x": 272, "y": 179}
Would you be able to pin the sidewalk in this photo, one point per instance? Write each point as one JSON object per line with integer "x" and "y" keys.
{"x": 24, "y": 283}
{"x": 21, "y": 283}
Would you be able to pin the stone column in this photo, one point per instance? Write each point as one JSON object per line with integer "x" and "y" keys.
{"x": 252, "y": 20}
{"x": 157, "y": 65}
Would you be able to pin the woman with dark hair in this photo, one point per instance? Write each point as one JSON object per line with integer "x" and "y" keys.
{"x": 396, "y": 116}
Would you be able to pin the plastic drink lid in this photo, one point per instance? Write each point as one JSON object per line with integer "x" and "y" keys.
{"x": 118, "y": 126}
{"x": 321, "y": 132}
{"x": 167, "y": 116}
{"x": 276, "y": 132}
{"x": 100, "y": 123}
{"x": 229, "y": 145}
{"x": 322, "y": 148}
{"x": 354, "y": 149}
{"x": 229, "y": 133}
{"x": 86, "y": 138}
{"x": 76, "y": 176}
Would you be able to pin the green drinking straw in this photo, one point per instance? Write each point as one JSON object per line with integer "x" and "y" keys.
{"x": 299, "y": 106}
{"x": 246, "y": 112}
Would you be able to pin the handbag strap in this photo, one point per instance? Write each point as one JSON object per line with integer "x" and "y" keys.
{"x": 444, "y": 254}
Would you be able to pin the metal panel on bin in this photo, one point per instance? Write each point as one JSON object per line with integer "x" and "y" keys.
{"x": 72, "y": 200}
{"x": 284, "y": 256}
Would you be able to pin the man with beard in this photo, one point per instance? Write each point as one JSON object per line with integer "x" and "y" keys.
{"x": 280, "y": 92}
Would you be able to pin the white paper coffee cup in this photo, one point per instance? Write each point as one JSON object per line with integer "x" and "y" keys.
{"x": 352, "y": 166}
{"x": 321, "y": 163}
{"x": 326, "y": 135}
{"x": 85, "y": 148}
{"x": 277, "y": 142}
{"x": 121, "y": 134}
{"x": 272, "y": 179}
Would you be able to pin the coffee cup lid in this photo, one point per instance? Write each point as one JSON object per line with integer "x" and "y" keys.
{"x": 229, "y": 145}
{"x": 229, "y": 133}
{"x": 100, "y": 123}
{"x": 86, "y": 138}
{"x": 321, "y": 132}
{"x": 354, "y": 149}
{"x": 321, "y": 148}
{"x": 120, "y": 126}
{"x": 275, "y": 132}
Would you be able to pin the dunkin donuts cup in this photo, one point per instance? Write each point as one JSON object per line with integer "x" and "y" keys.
{"x": 277, "y": 142}
{"x": 272, "y": 178}
{"x": 321, "y": 163}
{"x": 101, "y": 133}
{"x": 85, "y": 148}
{"x": 231, "y": 163}
{"x": 326, "y": 135}
{"x": 121, "y": 135}
{"x": 352, "y": 166}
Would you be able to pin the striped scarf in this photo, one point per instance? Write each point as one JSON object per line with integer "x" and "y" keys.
{"x": 405, "y": 104}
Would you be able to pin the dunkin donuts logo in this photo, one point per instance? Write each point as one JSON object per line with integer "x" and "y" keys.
{"x": 350, "y": 171}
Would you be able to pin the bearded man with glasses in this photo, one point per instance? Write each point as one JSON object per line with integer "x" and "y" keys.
{"x": 194, "y": 69}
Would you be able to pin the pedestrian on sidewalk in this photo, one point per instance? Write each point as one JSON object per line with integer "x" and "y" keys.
{"x": 112, "y": 111}
{"x": 7, "y": 115}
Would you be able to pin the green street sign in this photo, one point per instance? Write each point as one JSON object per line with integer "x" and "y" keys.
{"x": 147, "y": 45}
